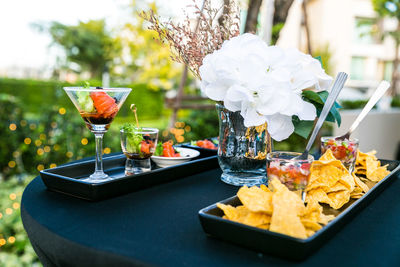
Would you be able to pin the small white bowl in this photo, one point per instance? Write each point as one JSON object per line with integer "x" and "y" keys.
{"x": 186, "y": 155}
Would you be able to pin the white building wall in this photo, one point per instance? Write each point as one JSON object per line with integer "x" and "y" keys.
{"x": 333, "y": 23}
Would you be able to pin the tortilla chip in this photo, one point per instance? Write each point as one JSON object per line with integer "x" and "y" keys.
{"x": 237, "y": 214}
{"x": 264, "y": 226}
{"x": 265, "y": 188}
{"x": 310, "y": 224}
{"x": 257, "y": 219}
{"x": 255, "y": 199}
{"x": 360, "y": 184}
{"x": 284, "y": 219}
{"x": 338, "y": 199}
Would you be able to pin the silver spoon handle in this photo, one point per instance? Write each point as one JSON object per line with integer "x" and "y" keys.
{"x": 379, "y": 92}
{"x": 337, "y": 87}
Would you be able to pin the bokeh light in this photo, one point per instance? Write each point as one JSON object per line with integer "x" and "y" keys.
{"x": 62, "y": 111}
{"x": 40, "y": 151}
{"x": 11, "y": 164}
{"x": 13, "y": 126}
{"x": 40, "y": 167}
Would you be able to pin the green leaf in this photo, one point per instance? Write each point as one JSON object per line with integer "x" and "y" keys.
{"x": 320, "y": 61}
{"x": 313, "y": 96}
{"x": 318, "y": 100}
{"x": 302, "y": 128}
{"x": 159, "y": 149}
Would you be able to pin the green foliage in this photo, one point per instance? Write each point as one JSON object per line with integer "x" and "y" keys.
{"x": 37, "y": 95}
{"x": 203, "y": 124}
{"x": 354, "y": 104}
{"x": 396, "y": 102}
{"x": 390, "y": 8}
{"x": 19, "y": 252}
{"x": 276, "y": 29}
{"x": 87, "y": 44}
{"x": 150, "y": 61}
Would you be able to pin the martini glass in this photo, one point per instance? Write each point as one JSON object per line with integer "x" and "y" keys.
{"x": 98, "y": 107}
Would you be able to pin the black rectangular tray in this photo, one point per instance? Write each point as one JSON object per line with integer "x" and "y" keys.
{"x": 282, "y": 245}
{"x": 67, "y": 179}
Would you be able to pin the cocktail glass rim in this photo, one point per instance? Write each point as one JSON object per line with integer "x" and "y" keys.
{"x": 91, "y": 89}
{"x": 144, "y": 130}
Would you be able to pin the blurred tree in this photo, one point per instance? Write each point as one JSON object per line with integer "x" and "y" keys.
{"x": 391, "y": 9}
{"x": 252, "y": 16}
{"x": 145, "y": 60}
{"x": 281, "y": 11}
{"x": 88, "y": 44}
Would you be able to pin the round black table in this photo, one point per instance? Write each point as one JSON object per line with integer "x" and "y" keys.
{"x": 160, "y": 226}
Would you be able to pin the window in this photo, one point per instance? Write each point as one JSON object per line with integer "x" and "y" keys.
{"x": 357, "y": 69}
{"x": 387, "y": 71}
{"x": 365, "y": 31}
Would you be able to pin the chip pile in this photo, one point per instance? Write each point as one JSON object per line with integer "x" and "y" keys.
{"x": 368, "y": 166}
{"x": 331, "y": 183}
{"x": 283, "y": 211}
{"x": 280, "y": 211}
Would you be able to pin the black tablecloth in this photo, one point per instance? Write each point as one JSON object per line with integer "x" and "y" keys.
{"x": 160, "y": 226}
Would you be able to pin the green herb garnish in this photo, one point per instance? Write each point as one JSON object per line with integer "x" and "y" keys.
{"x": 159, "y": 149}
{"x": 86, "y": 85}
{"x": 133, "y": 139}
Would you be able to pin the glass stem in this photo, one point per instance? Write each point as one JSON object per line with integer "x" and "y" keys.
{"x": 99, "y": 152}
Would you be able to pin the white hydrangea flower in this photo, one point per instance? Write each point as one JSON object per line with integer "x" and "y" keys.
{"x": 263, "y": 82}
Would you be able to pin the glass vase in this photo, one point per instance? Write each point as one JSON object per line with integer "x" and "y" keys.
{"x": 242, "y": 151}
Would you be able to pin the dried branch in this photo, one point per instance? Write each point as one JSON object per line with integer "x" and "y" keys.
{"x": 190, "y": 47}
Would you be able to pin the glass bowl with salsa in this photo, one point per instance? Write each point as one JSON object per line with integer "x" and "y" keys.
{"x": 343, "y": 150}
{"x": 292, "y": 172}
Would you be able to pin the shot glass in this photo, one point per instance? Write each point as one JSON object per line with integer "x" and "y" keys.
{"x": 138, "y": 146}
{"x": 343, "y": 150}
{"x": 294, "y": 173}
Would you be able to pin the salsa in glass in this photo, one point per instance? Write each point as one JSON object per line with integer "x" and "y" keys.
{"x": 293, "y": 173}
{"x": 343, "y": 150}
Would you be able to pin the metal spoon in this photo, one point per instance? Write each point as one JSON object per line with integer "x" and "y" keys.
{"x": 379, "y": 92}
{"x": 337, "y": 87}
